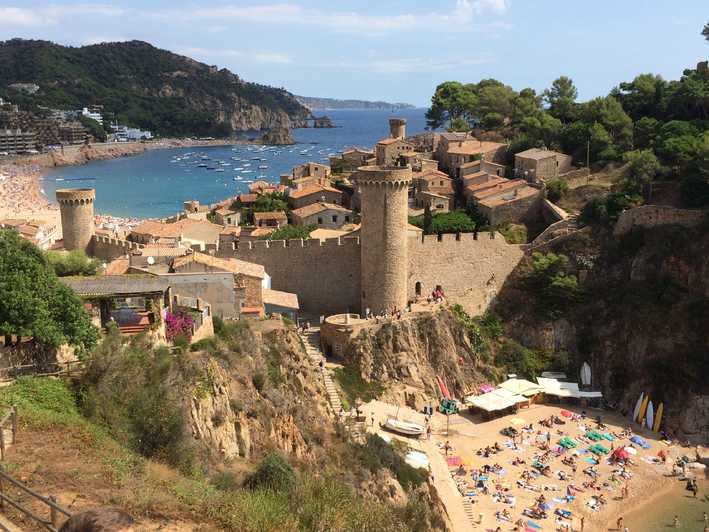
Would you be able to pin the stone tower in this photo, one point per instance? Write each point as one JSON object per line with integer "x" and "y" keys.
{"x": 397, "y": 127}
{"x": 383, "y": 236}
{"x": 77, "y": 210}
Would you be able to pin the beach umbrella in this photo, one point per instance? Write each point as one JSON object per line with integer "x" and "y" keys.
{"x": 566, "y": 413}
{"x": 630, "y": 450}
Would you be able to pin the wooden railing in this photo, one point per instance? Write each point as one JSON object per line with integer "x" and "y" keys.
{"x": 53, "y": 369}
{"x": 55, "y": 511}
{"x": 10, "y": 418}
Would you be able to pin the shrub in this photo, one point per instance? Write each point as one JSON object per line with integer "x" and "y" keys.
{"x": 72, "y": 263}
{"x": 258, "y": 381}
{"x": 556, "y": 188}
{"x": 553, "y": 283}
{"x": 273, "y": 473}
{"x": 225, "y": 481}
{"x": 355, "y": 387}
{"x": 445, "y": 222}
{"x": 376, "y": 454}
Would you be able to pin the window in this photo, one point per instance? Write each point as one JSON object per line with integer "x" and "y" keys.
{"x": 347, "y": 219}
{"x": 418, "y": 288}
{"x": 334, "y": 218}
{"x": 319, "y": 220}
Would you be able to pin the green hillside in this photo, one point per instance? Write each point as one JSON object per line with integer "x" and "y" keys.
{"x": 143, "y": 86}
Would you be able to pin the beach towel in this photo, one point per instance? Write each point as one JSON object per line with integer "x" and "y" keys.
{"x": 533, "y": 525}
{"x": 591, "y": 460}
{"x": 453, "y": 461}
{"x": 608, "y": 437}
{"x": 637, "y": 440}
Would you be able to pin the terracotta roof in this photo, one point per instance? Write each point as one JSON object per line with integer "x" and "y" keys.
{"x": 228, "y": 265}
{"x": 474, "y": 147}
{"x": 491, "y": 181}
{"x": 358, "y": 150}
{"x": 514, "y": 195}
{"x": 261, "y": 231}
{"x": 388, "y": 141}
{"x": 231, "y": 230}
{"x": 280, "y": 299}
{"x": 117, "y": 267}
{"x": 308, "y": 191}
{"x": 183, "y": 227}
{"x": 247, "y": 198}
{"x": 500, "y": 187}
{"x": 163, "y": 251}
{"x": 326, "y": 234}
{"x": 273, "y": 215}
{"x": 320, "y": 206}
{"x": 433, "y": 174}
{"x": 224, "y": 211}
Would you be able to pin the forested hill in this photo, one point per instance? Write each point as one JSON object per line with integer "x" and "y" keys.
{"x": 143, "y": 86}
{"x": 323, "y": 104}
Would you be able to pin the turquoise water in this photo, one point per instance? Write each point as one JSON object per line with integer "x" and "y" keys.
{"x": 155, "y": 183}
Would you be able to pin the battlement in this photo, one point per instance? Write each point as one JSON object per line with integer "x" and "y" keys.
{"x": 296, "y": 243}
{"x": 109, "y": 248}
{"x": 383, "y": 175}
{"x": 458, "y": 238}
{"x": 655, "y": 215}
{"x": 75, "y": 196}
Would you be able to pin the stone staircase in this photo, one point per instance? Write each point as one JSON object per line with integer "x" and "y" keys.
{"x": 311, "y": 339}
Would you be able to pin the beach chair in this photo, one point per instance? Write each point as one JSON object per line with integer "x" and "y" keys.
{"x": 593, "y": 435}
{"x": 608, "y": 437}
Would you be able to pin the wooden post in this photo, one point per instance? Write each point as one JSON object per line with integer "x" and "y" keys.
{"x": 2, "y": 495}
{"x": 2, "y": 443}
{"x": 14, "y": 424}
{"x": 53, "y": 515}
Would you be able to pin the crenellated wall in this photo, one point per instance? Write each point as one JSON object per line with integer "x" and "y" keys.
{"x": 471, "y": 270}
{"x": 324, "y": 274}
{"x": 107, "y": 248}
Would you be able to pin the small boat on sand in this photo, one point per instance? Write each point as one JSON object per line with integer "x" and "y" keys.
{"x": 408, "y": 428}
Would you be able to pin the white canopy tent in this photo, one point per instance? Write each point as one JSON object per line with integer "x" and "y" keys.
{"x": 495, "y": 400}
{"x": 521, "y": 387}
{"x": 565, "y": 389}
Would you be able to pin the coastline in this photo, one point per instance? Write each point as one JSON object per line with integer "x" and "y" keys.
{"x": 21, "y": 193}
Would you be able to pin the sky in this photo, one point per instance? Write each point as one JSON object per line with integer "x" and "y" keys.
{"x": 392, "y": 50}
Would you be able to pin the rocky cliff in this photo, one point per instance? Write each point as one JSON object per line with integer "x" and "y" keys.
{"x": 642, "y": 322}
{"x": 406, "y": 356}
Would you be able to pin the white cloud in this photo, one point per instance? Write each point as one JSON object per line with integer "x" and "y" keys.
{"x": 53, "y": 14}
{"x": 409, "y": 65}
{"x": 15, "y": 16}
{"x": 257, "y": 56}
{"x": 460, "y": 15}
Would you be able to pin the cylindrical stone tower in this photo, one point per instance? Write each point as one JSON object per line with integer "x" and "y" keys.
{"x": 76, "y": 206}
{"x": 383, "y": 236}
{"x": 397, "y": 127}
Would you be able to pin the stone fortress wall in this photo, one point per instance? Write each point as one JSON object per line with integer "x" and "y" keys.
{"x": 654, "y": 215}
{"x": 471, "y": 270}
{"x": 108, "y": 248}
{"x": 326, "y": 275}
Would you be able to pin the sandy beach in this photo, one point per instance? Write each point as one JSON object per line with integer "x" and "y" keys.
{"x": 477, "y": 489}
{"x": 21, "y": 194}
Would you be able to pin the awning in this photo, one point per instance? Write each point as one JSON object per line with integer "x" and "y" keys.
{"x": 496, "y": 400}
{"x": 565, "y": 389}
{"x": 521, "y": 387}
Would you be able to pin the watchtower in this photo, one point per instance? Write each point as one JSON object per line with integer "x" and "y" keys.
{"x": 397, "y": 127}
{"x": 383, "y": 236}
{"x": 76, "y": 206}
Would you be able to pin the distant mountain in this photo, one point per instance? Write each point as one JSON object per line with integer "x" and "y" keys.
{"x": 143, "y": 86}
{"x": 324, "y": 104}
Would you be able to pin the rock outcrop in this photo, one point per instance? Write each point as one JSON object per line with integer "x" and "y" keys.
{"x": 278, "y": 136}
{"x": 406, "y": 356}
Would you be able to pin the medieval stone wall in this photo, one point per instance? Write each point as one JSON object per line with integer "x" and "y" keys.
{"x": 107, "y": 248}
{"x": 654, "y": 215}
{"x": 324, "y": 274}
{"x": 471, "y": 271}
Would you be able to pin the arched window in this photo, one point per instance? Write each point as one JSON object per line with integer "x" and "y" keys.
{"x": 418, "y": 288}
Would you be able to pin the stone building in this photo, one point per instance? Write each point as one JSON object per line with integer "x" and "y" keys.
{"x": 460, "y": 153}
{"x": 311, "y": 169}
{"x": 387, "y": 151}
{"x": 537, "y": 164}
{"x": 503, "y": 200}
{"x": 314, "y": 194}
{"x": 435, "y": 190}
{"x": 41, "y": 234}
{"x": 76, "y": 206}
{"x": 274, "y": 219}
{"x": 226, "y": 216}
{"x": 184, "y": 232}
{"x": 397, "y": 128}
{"x": 351, "y": 159}
{"x": 322, "y": 215}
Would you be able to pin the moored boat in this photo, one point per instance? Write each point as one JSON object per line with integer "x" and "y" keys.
{"x": 409, "y": 428}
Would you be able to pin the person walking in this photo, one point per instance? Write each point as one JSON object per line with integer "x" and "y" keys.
{"x": 583, "y": 523}
{"x": 619, "y": 523}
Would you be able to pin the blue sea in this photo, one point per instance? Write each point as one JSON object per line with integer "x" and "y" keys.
{"x": 155, "y": 183}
